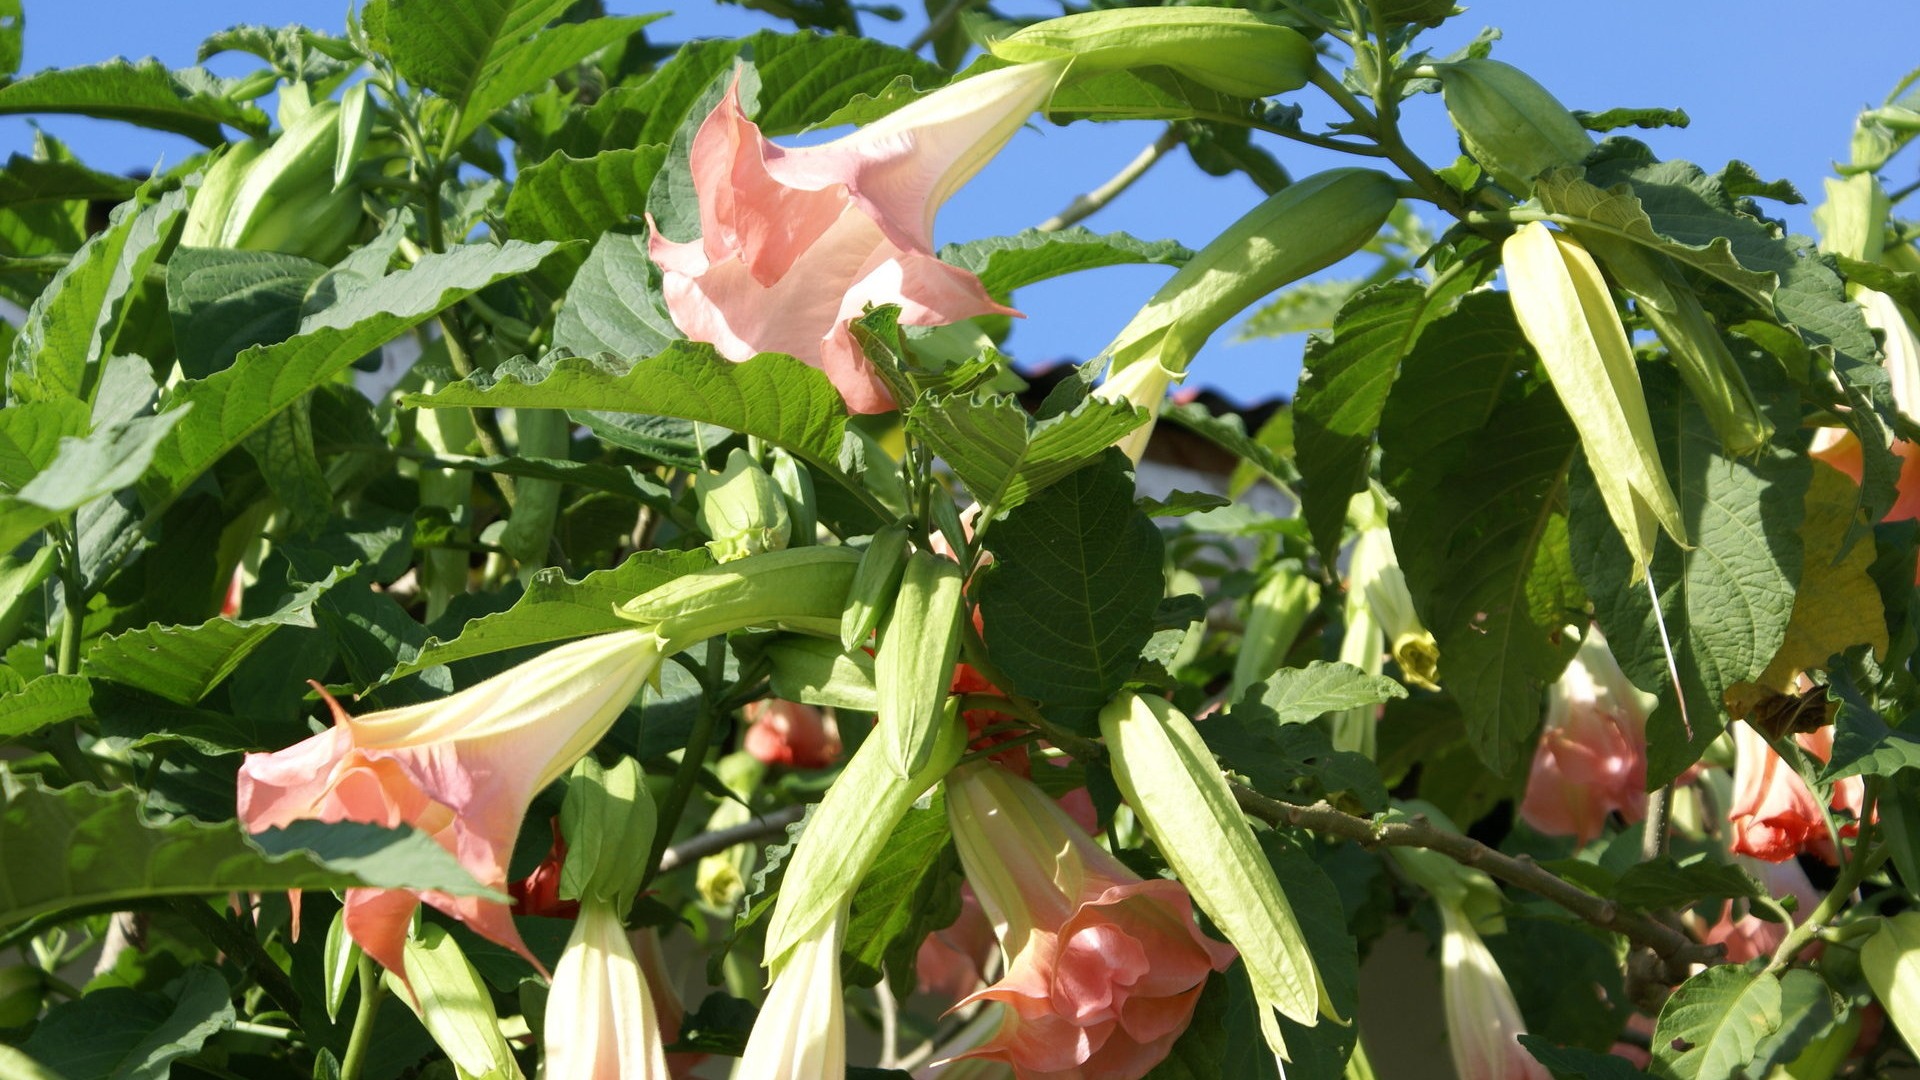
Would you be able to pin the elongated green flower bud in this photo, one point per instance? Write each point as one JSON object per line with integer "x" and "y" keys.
{"x": 875, "y": 584}
{"x": 608, "y": 819}
{"x": 742, "y": 509}
{"x": 1511, "y": 125}
{"x": 288, "y": 201}
{"x": 1232, "y": 51}
{"x": 1567, "y": 313}
{"x": 1306, "y": 226}
{"x": 207, "y": 217}
{"x": 1705, "y": 363}
{"x": 913, "y": 668}
{"x": 1275, "y": 613}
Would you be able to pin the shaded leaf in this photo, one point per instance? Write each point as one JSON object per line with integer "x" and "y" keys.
{"x": 118, "y": 1033}
{"x": 224, "y": 301}
{"x": 1069, "y": 600}
{"x": 1726, "y": 601}
{"x": 1711, "y": 1026}
{"x": 911, "y": 890}
{"x": 1666, "y": 884}
{"x": 78, "y": 846}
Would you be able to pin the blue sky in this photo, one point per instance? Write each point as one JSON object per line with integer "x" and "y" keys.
{"x": 1773, "y": 84}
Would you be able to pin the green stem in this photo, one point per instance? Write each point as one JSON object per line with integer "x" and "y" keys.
{"x": 1863, "y": 860}
{"x": 371, "y": 991}
{"x": 692, "y": 760}
{"x": 1392, "y": 147}
{"x": 63, "y": 740}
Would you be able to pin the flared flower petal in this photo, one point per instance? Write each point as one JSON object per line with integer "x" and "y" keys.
{"x": 1103, "y": 968}
{"x": 462, "y": 769}
{"x": 794, "y": 242}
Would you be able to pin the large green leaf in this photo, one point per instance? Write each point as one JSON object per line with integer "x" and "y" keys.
{"x": 1321, "y": 1050}
{"x": 222, "y": 301}
{"x": 1576, "y": 1063}
{"x": 83, "y": 470}
{"x": 72, "y": 324}
{"x": 1863, "y": 743}
{"x": 1006, "y": 263}
{"x": 612, "y": 305}
{"x": 184, "y": 663}
{"x": 50, "y": 699}
{"x": 802, "y": 79}
{"x": 772, "y": 396}
{"x": 481, "y": 54}
{"x": 118, "y": 1033}
{"x": 568, "y": 198}
{"x": 911, "y": 890}
{"x": 231, "y": 404}
{"x": 1726, "y": 601}
{"x": 80, "y": 846}
{"x": 1711, "y": 1026}
{"x": 1068, "y": 603}
{"x": 1663, "y": 884}
{"x": 1619, "y": 213}
{"x": 1477, "y": 460}
{"x": 1343, "y": 388}
{"x": 557, "y": 609}
{"x": 1289, "y": 758}
{"x": 1004, "y": 456}
{"x": 30, "y": 434}
{"x": 190, "y": 102}
{"x": 33, "y": 180}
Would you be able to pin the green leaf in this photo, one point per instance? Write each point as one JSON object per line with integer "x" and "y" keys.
{"x": 50, "y": 699}
{"x": 1302, "y": 695}
{"x": 1069, "y": 600}
{"x": 1727, "y": 601}
{"x": 80, "y": 846}
{"x": 1343, "y": 388}
{"x": 1006, "y": 263}
{"x": 1199, "y": 1053}
{"x": 13, "y": 25}
{"x": 232, "y": 404}
{"x": 1863, "y": 743}
{"x": 1005, "y": 457}
{"x": 1710, "y": 1027}
{"x": 71, "y": 326}
{"x": 30, "y": 435}
{"x": 1182, "y": 503}
{"x": 1575, "y": 1063}
{"x": 1618, "y": 212}
{"x": 83, "y": 470}
{"x": 189, "y": 102}
{"x": 568, "y": 198}
{"x": 911, "y": 890}
{"x": 772, "y": 396}
{"x": 555, "y": 608}
{"x": 612, "y": 305}
{"x": 184, "y": 663}
{"x": 1290, "y": 759}
{"x": 1229, "y": 432}
{"x": 1579, "y": 997}
{"x": 27, "y": 180}
{"x": 1476, "y": 459}
{"x": 1614, "y": 119}
{"x": 482, "y": 54}
{"x": 118, "y": 1033}
{"x": 1664, "y": 884}
{"x": 223, "y": 301}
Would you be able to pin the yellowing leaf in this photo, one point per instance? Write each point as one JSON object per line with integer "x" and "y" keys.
{"x": 1837, "y": 605}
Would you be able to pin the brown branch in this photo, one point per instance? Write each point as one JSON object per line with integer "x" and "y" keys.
{"x": 699, "y": 847}
{"x": 1666, "y": 942}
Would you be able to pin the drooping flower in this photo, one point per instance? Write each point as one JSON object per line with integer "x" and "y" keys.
{"x": 1592, "y": 758}
{"x": 789, "y": 733}
{"x": 462, "y": 769}
{"x": 602, "y": 1019}
{"x": 952, "y": 961}
{"x": 1103, "y": 968}
{"x": 1774, "y": 815}
{"x": 801, "y": 1033}
{"x": 1747, "y": 936}
{"x": 796, "y": 241}
{"x": 1483, "y": 1020}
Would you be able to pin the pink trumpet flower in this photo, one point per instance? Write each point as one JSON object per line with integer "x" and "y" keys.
{"x": 462, "y": 769}
{"x": 1103, "y": 968}
{"x": 795, "y": 242}
{"x": 1483, "y": 1020}
{"x": 1592, "y": 758}
{"x": 1774, "y": 815}
{"x": 790, "y": 733}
